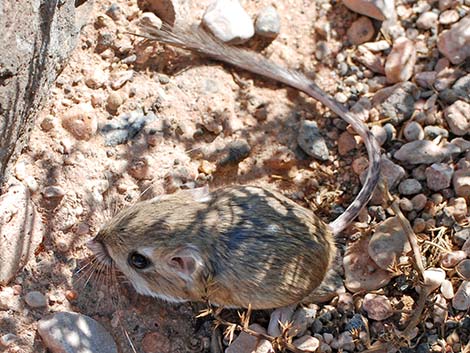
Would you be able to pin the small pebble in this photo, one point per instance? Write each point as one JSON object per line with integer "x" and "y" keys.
{"x": 245, "y": 342}
{"x": 311, "y": 141}
{"x": 419, "y": 202}
{"x": 439, "y": 176}
{"x": 35, "y": 299}
{"x": 8, "y": 339}
{"x": 114, "y": 101}
{"x": 80, "y": 121}
{"x": 426, "y": 79}
{"x": 307, "y": 343}
{"x": 423, "y": 152}
{"x": 461, "y": 182}
{"x": 388, "y": 243}
{"x": 361, "y": 31}
{"x": 359, "y": 165}
{"x": 409, "y": 187}
{"x": 397, "y": 103}
{"x": 451, "y": 259}
{"x": 72, "y": 332}
{"x": 463, "y": 269}
{"x": 378, "y": 307}
{"x": 419, "y": 225}
{"x": 379, "y": 133}
{"x": 461, "y": 236}
{"x": 268, "y": 23}
{"x": 151, "y": 20}
{"x": 380, "y": 10}
{"x": 427, "y": 20}
{"x": 413, "y": 131}
{"x": 228, "y": 21}
{"x": 346, "y": 143}
{"x": 458, "y": 117}
{"x": 432, "y": 132}
{"x": 461, "y": 300}
{"x": 447, "y": 290}
{"x": 455, "y": 43}
{"x": 301, "y": 320}
{"x": 401, "y": 61}
{"x": 53, "y": 192}
{"x": 433, "y": 278}
{"x": 448, "y": 17}
{"x": 119, "y": 79}
{"x": 406, "y": 205}
{"x": 95, "y": 78}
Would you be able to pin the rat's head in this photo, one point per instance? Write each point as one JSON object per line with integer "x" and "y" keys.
{"x": 146, "y": 244}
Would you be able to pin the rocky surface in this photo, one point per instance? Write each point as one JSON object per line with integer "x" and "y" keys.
{"x": 38, "y": 37}
{"x": 130, "y": 119}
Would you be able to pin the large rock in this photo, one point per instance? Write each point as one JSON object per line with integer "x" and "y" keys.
{"x": 71, "y": 332}
{"x": 38, "y": 36}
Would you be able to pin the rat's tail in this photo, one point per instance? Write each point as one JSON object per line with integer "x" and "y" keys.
{"x": 197, "y": 40}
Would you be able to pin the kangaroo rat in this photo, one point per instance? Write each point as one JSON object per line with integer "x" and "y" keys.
{"x": 239, "y": 245}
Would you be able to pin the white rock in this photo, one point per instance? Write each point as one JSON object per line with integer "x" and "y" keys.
{"x": 72, "y": 332}
{"x": 455, "y": 43}
{"x": 378, "y": 9}
{"x": 401, "y": 61}
{"x": 447, "y": 290}
{"x": 228, "y": 21}
{"x": 424, "y": 152}
{"x": 150, "y": 19}
{"x": 307, "y": 343}
{"x": 35, "y": 299}
{"x": 268, "y": 23}
{"x": 427, "y": 20}
{"x": 378, "y": 307}
{"x": 433, "y": 278}
{"x": 461, "y": 182}
{"x": 458, "y": 117}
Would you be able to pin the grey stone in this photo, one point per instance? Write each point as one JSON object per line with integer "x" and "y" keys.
{"x": 380, "y": 10}
{"x": 38, "y": 36}
{"x": 409, "y": 187}
{"x": 268, "y": 23}
{"x": 432, "y": 131}
{"x": 125, "y": 127}
{"x": 424, "y": 152}
{"x": 67, "y": 332}
{"x": 397, "y": 102}
{"x": 439, "y": 176}
{"x": 228, "y": 21}
{"x": 461, "y": 88}
{"x": 455, "y": 43}
{"x": 458, "y": 117}
{"x": 461, "y": 236}
{"x": 35, "y": 299}
{"x": 413, "y": 131}
{"x": 311, "y": 141}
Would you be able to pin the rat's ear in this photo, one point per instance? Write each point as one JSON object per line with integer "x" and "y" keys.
{"x": 186, "y": 262}
{"x": 201, "y": 194}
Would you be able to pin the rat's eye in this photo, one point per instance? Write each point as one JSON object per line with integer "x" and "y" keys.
{"x": 138, "y": 261}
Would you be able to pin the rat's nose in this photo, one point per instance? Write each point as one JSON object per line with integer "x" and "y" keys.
{"x": 100, "y": 251}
